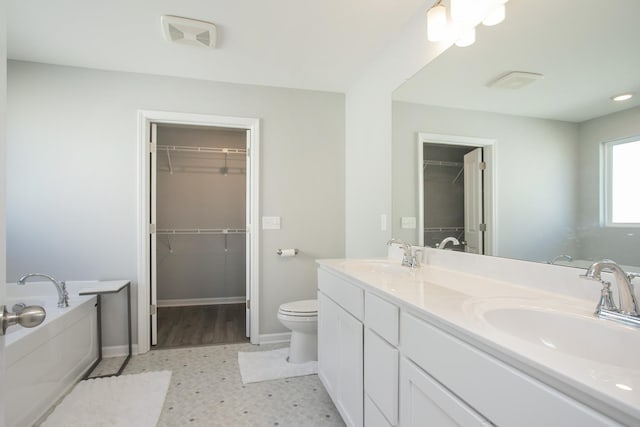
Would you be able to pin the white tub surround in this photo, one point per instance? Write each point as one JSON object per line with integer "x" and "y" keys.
{"x": 44, "y": 362}
{"x": 474, "y": 339}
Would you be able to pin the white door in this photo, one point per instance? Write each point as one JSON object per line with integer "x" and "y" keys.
{"x": 473, "y": 209}
{"x": 153, "y": 238}
{"x": 247, "y": 236}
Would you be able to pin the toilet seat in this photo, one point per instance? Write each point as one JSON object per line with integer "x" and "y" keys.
{"x": 304, "y": 308}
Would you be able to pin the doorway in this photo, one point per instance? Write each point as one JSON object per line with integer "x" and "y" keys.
{"x": 456, "y": 194}
{"x": 198, "y": 257}
{"x": 198, "y": 266}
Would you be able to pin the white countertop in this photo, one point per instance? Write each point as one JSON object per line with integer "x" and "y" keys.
{"x": 458, "y": 302}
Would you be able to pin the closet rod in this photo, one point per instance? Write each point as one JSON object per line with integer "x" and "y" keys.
{"x": 441, "y": 163}
{"x": 203, "y": 231}
{"x": 168, "y": 148}
{"x": 436, "y": 229}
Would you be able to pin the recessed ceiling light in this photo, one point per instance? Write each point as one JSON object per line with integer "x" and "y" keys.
{"x": 622, "y": 97}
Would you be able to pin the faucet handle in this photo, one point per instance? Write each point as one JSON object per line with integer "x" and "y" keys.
{"x": 606, "y": 299}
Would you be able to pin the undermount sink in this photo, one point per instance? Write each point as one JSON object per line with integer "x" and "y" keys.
{"x": 376, "y": 265}
{"x": 573, "y": 334}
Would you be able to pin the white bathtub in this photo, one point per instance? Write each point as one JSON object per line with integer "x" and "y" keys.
{"x": 44, "y": 362}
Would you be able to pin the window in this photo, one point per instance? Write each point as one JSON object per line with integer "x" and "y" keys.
{"x": 621, "y": 182}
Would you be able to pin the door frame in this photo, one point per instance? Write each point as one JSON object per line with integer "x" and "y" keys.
{"x": 490, "y": 151}
{"x": 145, "y": 118}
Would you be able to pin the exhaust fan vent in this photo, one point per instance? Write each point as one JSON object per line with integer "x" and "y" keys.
{"x": 515, "y": 80}
{"x": 189, "y": 31}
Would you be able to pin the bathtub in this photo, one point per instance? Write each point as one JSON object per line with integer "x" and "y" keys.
{"x": 44, "y": 362}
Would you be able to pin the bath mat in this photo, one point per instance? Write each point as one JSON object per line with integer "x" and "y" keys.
{"x": 127, "y": 400}
{"x": 256, "y": 366}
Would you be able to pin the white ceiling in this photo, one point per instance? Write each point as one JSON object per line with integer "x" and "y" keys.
{"x": 588, "y": 51}
{"x": 319, "y": 45}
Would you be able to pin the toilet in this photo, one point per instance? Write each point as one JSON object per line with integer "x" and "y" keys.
{"x": 302, "y": 318}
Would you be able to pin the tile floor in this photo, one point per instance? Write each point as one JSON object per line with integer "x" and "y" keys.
{"x": 206, "y": 390}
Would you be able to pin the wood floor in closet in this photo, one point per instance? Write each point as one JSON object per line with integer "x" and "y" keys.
{"x": 201, "y": 325}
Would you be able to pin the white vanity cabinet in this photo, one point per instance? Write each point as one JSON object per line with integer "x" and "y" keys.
{"x": 340, "y": 345}
{"x": 381, "y": 358}
{"x": 463, "y": 381}
{"x": 426, "y": 402}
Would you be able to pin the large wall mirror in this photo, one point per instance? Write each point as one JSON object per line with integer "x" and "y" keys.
{"x": 555, "y": 130}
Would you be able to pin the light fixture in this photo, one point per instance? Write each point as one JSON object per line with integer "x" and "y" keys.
{"x": 495, "y": 16}
{"x": 466, "y": 37}
{"x": 622, "y": 97}
{"x": 437, "y": 23}
{"x": 463, "y": 16}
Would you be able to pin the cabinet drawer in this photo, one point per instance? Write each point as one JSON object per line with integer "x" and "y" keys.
{"x": 381, "y": 375}
{"x": 504, "y": 395}
{"x": 382, "y": 317}
{"x": 348, "y": 296}
{"x": 424, "y": 401}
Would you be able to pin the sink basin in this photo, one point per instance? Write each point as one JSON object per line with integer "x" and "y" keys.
{"x": 380, "y": 266}
{"x": 577, "y": 335}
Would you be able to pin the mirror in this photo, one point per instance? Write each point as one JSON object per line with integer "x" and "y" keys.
{"x": 547, "y": 172}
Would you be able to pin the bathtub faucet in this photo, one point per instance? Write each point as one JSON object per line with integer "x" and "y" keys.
{"x": 61, "y": 287}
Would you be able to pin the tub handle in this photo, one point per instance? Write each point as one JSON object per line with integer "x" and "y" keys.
{"x": 28, "y": 317}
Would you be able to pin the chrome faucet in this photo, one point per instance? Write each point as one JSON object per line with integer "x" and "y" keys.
{"x": 561, "y": 257}
{"x": 61, "y": 287}
{"x": 408, "y": 259}
{"x": 446, "y": 240}
{"x": 628, "y": 311}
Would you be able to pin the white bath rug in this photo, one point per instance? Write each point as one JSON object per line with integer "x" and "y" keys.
{"x": 127, "y": 400}
{"x": 256, "y": 366}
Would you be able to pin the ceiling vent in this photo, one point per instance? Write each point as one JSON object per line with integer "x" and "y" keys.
{"x": 189, "y": 31}
{"x": 515, "y": 80}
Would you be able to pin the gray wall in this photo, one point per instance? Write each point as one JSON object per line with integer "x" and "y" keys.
{"x": 618, "y": 243}
{"x": 194, "y": 192}
{"x": 71, "y": 175}
{"x": 536, "y": 174}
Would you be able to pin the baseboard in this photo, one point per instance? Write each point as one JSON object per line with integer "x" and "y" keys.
{"x": 275, "y": 338}
{"x": 118, "y": 350}
{"x": 199, "y": 301}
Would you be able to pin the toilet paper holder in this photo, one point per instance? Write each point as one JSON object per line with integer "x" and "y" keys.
{"x": 287, "y": 252}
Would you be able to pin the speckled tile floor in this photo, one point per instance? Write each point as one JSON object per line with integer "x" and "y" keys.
{"x": 206, "y": 390}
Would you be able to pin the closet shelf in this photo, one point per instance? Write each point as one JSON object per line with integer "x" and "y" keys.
{"x": 436, "y": 229}
{"x": 202, "y": 149}
{"x": 202, "y": 231}
{"x": 442, "y": 163}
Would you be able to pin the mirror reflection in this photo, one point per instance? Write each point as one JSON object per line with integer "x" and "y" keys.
{"x": 534, "y": 94}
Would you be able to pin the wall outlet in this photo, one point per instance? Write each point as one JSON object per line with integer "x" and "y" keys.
{"x": 408, "y": 222}
{"x": 271, "y": 223}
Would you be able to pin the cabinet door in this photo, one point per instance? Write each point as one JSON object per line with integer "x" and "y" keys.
{"x": 350, "y": 371}
{"x": 328, "y": 327}
{"x": 381, "y": 375}
{"x": 340, "y": 366}
{"x": 424, "y": 402}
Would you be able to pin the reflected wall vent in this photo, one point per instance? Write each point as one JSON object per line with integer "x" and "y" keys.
{"x": 515, "y": 80}
{"x": 189, "y": 31}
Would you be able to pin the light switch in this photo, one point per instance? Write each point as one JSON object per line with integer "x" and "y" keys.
{"x": 383, "y": 222}
{"x": 271, "y": 223}
{"x": 408, "y": 222}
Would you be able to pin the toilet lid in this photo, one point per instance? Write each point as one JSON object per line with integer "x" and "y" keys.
{"x": 308, "y": 306}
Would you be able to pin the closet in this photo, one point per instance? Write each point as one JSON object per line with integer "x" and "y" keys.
{"x": 444, "y": 195}
{"x": 200, "y": 237}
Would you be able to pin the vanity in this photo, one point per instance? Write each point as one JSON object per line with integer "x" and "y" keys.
{"x": 463, "y": 342}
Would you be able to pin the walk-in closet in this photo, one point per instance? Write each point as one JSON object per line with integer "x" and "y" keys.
{"x": 200, "y": 239}
{"x": 444, "y": 207}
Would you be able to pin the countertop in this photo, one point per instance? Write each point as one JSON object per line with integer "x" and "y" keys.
{"x": 458, "y": 303}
